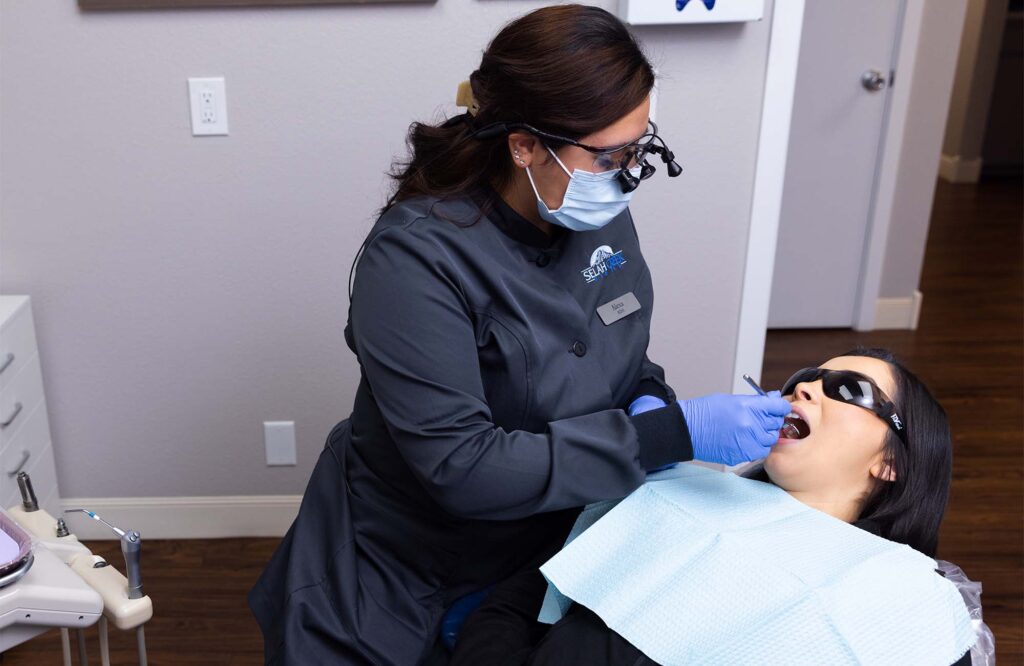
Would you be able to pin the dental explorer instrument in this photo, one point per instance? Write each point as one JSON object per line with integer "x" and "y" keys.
{"x": 789, "y": 430}
{"x": 753, "y": 384}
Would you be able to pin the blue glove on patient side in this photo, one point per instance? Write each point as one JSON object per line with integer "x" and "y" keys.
{"x": 732, "y": 429}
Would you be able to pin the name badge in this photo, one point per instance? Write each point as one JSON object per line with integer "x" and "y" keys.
{"x": 618, "y": 308}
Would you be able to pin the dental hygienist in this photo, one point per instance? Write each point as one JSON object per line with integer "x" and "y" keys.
{"x": 500, "y": 313}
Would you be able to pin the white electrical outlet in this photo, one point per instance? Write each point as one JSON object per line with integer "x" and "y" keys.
{"x": 279, "y": 437}
{"x": 209, "y": 105}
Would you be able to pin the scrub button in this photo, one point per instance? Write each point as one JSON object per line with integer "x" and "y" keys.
{"x": 579, "y": 349}
{"x": 543, "y": 260}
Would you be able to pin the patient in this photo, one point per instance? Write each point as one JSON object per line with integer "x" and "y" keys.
{"x": 873, "y": 450}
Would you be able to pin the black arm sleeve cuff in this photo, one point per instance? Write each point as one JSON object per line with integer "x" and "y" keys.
{"x": 664, "y": 437}
{"x": 655, "y": 388}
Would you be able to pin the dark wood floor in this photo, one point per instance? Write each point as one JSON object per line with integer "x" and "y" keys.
{"x": 968, "y": 349}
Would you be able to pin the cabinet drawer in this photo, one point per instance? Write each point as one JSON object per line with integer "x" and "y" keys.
{"x": 33, "y": 437}
{"x": 26, "y": 390}
{"x": 17, "y": 339}
{"x": 40, "y": 467}
{"x": 11, "y": 495}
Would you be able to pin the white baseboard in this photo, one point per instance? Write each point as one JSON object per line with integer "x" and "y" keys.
{"x": 186, "y": 517}
{"x": 898, "y": 313}
{"x": 956, "y": 169}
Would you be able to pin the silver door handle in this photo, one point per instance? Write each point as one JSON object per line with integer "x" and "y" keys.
{"x": 7, "y": 361}
{"x": 25, "y": 455}
{"x": 872, "y": 80}
{"x": 10, "y": 419}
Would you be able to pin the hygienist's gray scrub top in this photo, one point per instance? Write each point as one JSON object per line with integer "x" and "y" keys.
{"x": 491, "y": 407}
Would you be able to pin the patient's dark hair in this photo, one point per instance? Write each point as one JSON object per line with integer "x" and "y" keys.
{"x": 910, "y": 509}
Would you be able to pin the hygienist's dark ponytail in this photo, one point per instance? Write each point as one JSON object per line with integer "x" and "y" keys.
{"x": 570, "y": 70}
{"x": 910, "y": 509}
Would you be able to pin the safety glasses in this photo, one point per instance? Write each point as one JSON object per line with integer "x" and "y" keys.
{"x": 625, "y": 156}
{"x": 852, "y": 388}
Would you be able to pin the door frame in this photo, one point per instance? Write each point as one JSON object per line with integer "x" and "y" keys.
{"x": 883, "y": 195}
{"x": 769, "y": 179}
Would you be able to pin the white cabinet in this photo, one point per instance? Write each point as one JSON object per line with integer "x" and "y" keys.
{"x": 25, "y": 443}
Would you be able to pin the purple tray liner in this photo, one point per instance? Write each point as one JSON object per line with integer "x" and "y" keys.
{"x": 20, "y": 536}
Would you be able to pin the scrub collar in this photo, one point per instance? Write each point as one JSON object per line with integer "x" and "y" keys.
{"x": 514, "y": 225}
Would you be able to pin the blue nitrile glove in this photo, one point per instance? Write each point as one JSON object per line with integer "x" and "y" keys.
{"x": 645, "y": 403}
{"x": 732, "y": 429}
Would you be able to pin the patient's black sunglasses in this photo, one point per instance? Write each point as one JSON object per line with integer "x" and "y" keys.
{"x": 852, "y": 388}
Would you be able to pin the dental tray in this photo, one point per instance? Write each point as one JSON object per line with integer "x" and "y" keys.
{"x": 15, "y": 550}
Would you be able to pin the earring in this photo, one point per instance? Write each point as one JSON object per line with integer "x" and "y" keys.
{"x": 519, "y": 159}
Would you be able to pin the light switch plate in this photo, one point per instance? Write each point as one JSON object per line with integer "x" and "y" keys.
{"x": 279, "y": 437}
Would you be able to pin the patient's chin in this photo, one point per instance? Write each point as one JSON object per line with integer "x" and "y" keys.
{"x": 782, "y": 465}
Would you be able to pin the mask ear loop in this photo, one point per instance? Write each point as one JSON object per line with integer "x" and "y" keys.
{"x": 560, "y": 163}
{"x": 536, "y": 192}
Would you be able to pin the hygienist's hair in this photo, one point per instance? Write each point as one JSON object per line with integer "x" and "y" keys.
{"x": 570, "y": 70}
{"x": 910, "y": 509}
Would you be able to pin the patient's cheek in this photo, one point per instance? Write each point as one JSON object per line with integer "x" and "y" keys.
{"x": 786, "y": 467}
{"x": 775, "y": 466}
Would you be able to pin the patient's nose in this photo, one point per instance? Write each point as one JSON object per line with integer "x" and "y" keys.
{"x": 803, "y": 392}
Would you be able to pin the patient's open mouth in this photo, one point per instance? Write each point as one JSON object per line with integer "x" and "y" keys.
{"x": 795, "y": 427}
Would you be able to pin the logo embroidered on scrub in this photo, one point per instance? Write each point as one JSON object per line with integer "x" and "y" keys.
{"x": 602, "y": 262}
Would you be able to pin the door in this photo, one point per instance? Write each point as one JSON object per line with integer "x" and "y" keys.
{"x": 847, "y": 49}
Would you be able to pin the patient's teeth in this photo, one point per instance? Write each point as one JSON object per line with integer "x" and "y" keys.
{"x": 795, "y": 427}
{"x": 790, "y": 431}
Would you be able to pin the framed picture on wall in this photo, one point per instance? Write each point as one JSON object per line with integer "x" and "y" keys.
{"x": 189, "y": 4}
{"x": 662, "y": 12}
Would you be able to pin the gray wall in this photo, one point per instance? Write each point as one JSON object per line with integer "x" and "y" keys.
{"x": 187, "y": 289}
{"x": 931, "y": 86}
{"x": 976, "y": 68}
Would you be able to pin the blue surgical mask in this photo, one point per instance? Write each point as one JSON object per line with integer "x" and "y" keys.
{"x": 591, "y": 201}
